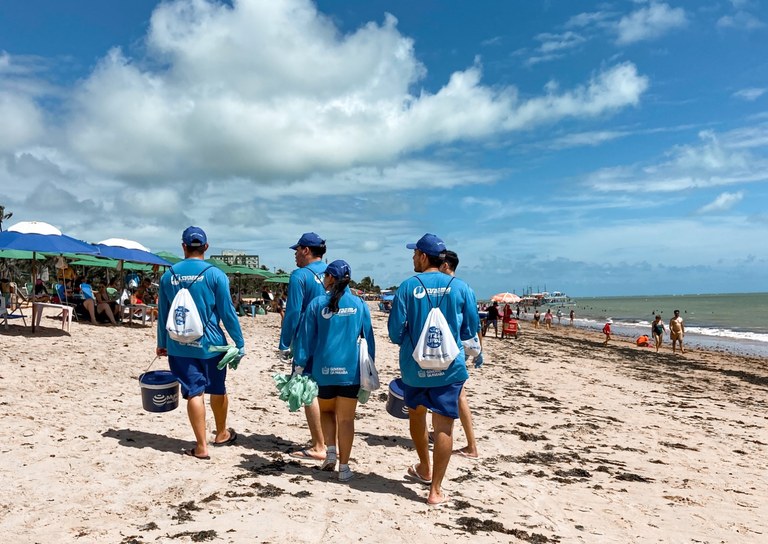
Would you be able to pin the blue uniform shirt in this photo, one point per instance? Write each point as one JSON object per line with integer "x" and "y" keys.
{"x": 305, "y": 284}
{"x": 410, "y": 308}
{"x": 211, "y": 295}
{"x": 330, "y": 339}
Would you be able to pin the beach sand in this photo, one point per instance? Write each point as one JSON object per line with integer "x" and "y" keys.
{"x": 578, "y": 443}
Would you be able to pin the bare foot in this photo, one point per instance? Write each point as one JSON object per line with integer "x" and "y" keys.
{"x": 308, "y": 454}
{"x": 436, "y": 499}
{"x": 467, "y": 452}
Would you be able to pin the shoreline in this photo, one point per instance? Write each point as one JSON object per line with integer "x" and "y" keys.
{"x": 578, "y": 443}
{"x": 700, "y": 342}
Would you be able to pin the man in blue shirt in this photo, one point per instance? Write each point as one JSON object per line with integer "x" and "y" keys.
{"x": 192, "y": 363}
{"x": 435, "y": 390}
{"x": 305, "y": 284}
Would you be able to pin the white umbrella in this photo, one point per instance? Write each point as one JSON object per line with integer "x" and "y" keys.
{"x": 36, "y": 236}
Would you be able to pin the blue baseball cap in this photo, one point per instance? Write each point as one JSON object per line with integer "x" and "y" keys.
{"x": 339, "y": 269}
{"x": 430, "y": 244}
{"x": 309, "y": 239}
{"x": 194, "y": 237}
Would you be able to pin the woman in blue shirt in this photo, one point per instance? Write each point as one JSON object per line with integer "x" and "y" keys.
{"x": 332, "y": 324}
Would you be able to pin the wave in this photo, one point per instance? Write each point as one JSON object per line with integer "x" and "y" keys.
{"x": 728, "y": 333}
{"x": 714, "y": 332}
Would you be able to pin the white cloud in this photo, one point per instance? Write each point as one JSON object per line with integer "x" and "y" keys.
{"x": 724, "y": 202}
{"x": 740, "y": 20}
{"x": 612, "y": 89}
{"x": 271, "y": 91}
{"x": 587, "y": 19}
{"x": 649, "y": 22}
{"x": 713, "y": 162}
{"x": 580, "y": 139}
{"x": 751, "y": 94}
{"x": 556, "y": 42}
{"x": 21, "y": 118}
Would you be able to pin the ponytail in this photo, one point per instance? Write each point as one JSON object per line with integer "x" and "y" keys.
{"x": 337, "y": 290}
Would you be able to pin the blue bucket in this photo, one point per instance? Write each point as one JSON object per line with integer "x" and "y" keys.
{"x": 396, "y": 400}
{"x": 159, "y": 391}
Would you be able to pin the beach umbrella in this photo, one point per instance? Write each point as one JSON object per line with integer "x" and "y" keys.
{"x": 170, "y": 257}
{"x": 128, "y": 250}
{"x": 39, "y": 237}
{"x": 221, "y": 265}
{"x": 279, "y": 278}
{"x": 508, "y": 298}
{"x": 20, "y": 255}
{"x": 110, "y": 263}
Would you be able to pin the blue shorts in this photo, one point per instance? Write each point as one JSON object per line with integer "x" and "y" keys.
{"x": 198, "y": 376}
{"x": 443, "y": 400}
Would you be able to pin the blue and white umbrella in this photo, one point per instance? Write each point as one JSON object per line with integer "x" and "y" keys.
{"x": 39, "y": 237}
{"x": 128, "y": 250}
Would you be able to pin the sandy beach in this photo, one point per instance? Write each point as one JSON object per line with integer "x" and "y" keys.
{"x": 578, "y": 443}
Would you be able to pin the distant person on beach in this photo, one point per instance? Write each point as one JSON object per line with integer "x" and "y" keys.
{"x": 305, "y": 284}
{"x": 607, "y": 330}
{"x": 657, "y": 330}
{"x": 518, "y": 311}
{"x": 465, "y": 415}
{"x": 536, "y": 317}
{"x": 548, "y": 318}
{"x": 432, "y": 390}
{"x": 559, "y": 315}
{"x": 572, "y": 315}
{"x": 507, "y": 313}
{"x": 677, "y": 331}
{"x": 492, "y": 319}
{"x": 329, "y": 331}
{"x": 193, "y": 365}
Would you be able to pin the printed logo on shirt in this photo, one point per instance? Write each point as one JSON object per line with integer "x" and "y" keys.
{"x": 430, "y": 373}
{"x": 319, "y": 278}
{"x": 176, "y": 280}
{"x": 419, "y": 292}
{"x": 325, "y": 371}
{"x": 343, "y": 312}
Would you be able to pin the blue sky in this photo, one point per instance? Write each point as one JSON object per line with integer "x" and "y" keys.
{"x": 596, "y": 148}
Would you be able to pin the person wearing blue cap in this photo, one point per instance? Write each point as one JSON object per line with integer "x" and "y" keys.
{"x": 305, "y": 284}
{"x": 434, "y": 390}
{"x": 193, "y": 364}
{"x": 329, "y": 334}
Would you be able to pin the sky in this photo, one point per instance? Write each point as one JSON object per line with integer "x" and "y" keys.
{"x": 595, "y": 148}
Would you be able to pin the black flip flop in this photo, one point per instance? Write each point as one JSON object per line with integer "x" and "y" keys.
{"x": 191, "y": 453}
{"x": 229, "y": 441}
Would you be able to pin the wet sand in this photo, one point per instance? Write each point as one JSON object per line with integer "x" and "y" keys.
{"x": 578, "y": 443}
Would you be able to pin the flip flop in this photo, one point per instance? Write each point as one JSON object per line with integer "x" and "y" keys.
{"x": 446, "y": 502}
{"x": 465, "y": 455}
{"x": 191, "y": 453}
{"x": 304, "y": 454}
{"x": 413, "y": 474}
{"x": 229, "y": 441}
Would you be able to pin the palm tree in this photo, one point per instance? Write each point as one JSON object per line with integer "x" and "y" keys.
{"x": 4, "y": 216}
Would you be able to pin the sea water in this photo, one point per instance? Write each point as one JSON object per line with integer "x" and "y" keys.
{"x": 733, "y": 322}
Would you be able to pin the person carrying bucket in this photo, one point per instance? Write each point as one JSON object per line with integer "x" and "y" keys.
{"x": 427, "y": 386}
{"x": 329, "y": 334}
{"x": 192, "y": 362}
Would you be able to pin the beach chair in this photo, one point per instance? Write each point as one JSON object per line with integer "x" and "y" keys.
{"x": 7, "y": 313}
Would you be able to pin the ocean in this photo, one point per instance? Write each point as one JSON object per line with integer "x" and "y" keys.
{"x": 734, "y": 322}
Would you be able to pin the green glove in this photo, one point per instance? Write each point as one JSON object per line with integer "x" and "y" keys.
{"x": 232, "y": 356}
